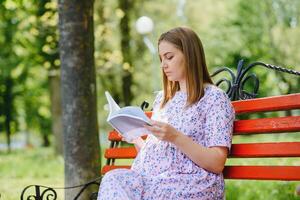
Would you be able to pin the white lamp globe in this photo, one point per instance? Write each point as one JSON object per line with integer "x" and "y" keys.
{"x": 144, "y": 25}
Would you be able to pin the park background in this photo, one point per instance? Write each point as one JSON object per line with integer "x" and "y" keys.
{"x": 127, "y": 65}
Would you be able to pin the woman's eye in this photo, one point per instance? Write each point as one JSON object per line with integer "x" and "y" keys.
{"x": 170, "y": 57}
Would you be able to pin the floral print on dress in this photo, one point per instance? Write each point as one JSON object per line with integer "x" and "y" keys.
{"x": 160, "y": 170}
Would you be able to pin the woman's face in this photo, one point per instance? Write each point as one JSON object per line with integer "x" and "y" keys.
{"x": 172, "y": 61}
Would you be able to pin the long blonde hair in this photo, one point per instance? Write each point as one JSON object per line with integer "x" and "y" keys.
{"x": 187, "y": 41}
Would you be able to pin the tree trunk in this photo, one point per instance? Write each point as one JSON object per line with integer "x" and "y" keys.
{"x": 125, "y": 6}
{"x": 55, "y": 96}
{"x": 46, "y": 141}
{"x": 81, "y": 140}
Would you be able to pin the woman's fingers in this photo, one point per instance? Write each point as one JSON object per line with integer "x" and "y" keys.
{"x": 161, "y": 130}
{"x": 153, "y": 128}
{"x": 157, "y": 123}
{"x": 161, "y": 125}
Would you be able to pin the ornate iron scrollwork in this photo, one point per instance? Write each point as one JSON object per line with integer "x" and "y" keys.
{"x": 144, "y": 105}
{"x": 235, "y": 89}
{"x": 50, "y": 194}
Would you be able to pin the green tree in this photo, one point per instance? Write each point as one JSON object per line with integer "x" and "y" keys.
{"x": 126, "y": 7}
{"x": 21, "y": 62}
{"x": 8, "y": 61}
{"x": 47, "y": 50}
{"x": 263, "y": 31}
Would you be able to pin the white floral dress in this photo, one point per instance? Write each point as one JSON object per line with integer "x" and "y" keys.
{"x": 160, "y": 170}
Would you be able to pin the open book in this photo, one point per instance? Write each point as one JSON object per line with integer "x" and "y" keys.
{"x": 128, "y": 121}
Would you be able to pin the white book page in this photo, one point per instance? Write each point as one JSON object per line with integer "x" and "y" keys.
{"x": 113, "y": 106}
{"x": 134, "y": 112}
{"x": 129, "y": 127}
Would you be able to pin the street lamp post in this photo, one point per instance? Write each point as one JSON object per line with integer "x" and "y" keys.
{"x": 144, "y": 26}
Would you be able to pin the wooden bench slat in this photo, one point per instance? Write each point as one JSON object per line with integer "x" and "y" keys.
{"x": 251, "y": 126}
{"x": 114, "y": 136}
{"x": 291, "y": 173}
{"x": 267, "y": 125}
{"x": 275, "y": 103}
{"x": 276, "y": 149}
{"x": 121, "y": 152}
{"x": 286, "y": 173}
{"x": 107, "y": 168}
{"x": 241, "y": 127}
{"x": 250, "y": 150}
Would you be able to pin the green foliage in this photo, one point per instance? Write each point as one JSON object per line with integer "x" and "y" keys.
{"x": 29, "y": 37}
{"x": 265, "y": 32}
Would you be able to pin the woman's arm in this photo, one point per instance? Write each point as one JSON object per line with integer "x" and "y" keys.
{"x": 210, "y": 158}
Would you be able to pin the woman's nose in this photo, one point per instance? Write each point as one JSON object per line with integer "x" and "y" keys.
{"x": 163, "y": 64}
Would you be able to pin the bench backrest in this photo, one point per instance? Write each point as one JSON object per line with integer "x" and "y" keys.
{"x": 264, "y": 125}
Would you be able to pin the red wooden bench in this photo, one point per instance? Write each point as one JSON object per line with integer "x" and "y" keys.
{"x": 286, "y": 124}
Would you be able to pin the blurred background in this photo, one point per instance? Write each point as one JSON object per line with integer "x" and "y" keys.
{"x": 30, "y": 97}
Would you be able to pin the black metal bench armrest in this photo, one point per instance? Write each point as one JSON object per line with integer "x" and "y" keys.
{"x": 44, "y": 192}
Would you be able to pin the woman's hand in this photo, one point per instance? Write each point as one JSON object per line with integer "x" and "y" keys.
{"x": 134, "y": 141}
{"x": 163, "y": 131}
{"x": 138, "y": 142}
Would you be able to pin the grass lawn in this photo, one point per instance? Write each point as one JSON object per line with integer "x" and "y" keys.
{"x": 21, "y": 168}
